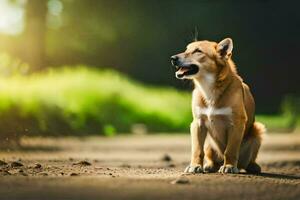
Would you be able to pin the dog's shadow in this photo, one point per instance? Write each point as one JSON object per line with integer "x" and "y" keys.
{"x": 277, "y": 176}
{"x": 279, "y": 165}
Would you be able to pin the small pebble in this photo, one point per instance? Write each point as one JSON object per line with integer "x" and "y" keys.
{"x": 37, "y": 166}
{"x": 74, "y": 174}
{"x": 16, "y": 164}
{"x": 166, "y": 158}
{"x": 83, "y": 163}
{"x": 181, "y": 180}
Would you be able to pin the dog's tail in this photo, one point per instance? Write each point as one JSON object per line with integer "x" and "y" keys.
{"x": 258, "y": 130}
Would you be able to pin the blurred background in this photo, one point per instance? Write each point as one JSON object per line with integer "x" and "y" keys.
{"x": 73, "y": 67}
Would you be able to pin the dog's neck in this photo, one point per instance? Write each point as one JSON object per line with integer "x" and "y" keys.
{"x": 212, "y": 85}
{"x": 206, "y": 85}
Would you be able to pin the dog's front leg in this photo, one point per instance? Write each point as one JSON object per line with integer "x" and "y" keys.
{"x": 198, "y": 134}
{"x": 231, "y": 154}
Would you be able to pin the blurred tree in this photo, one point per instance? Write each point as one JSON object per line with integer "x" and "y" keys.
{"x": 35, "y": 33}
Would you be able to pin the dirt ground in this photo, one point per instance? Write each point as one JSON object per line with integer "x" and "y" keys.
{"x": 140, "y": 167}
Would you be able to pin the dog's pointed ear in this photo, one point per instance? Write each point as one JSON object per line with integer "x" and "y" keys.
{"x": 224, "y": 48}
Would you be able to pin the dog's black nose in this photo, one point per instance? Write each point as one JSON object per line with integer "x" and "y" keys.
{"x": 174, "y": 60}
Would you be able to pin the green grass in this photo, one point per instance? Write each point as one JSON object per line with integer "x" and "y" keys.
{"x": 84, "y": 101}
{"x": 277, "y": 122}
{"x": 80, "y": 100}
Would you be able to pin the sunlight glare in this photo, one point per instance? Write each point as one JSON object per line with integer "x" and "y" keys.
{"x": 11, "y": 17}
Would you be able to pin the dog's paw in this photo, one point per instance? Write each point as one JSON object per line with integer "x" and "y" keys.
{"x": 210, "y": 168}
{"x": 226, "y": 169}
{"x": 193, "y": 169}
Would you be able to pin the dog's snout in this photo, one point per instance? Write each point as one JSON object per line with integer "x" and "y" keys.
{"x": 174, "y": 60}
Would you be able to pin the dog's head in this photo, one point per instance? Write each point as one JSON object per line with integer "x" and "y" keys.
{"x": 201, "y": 58}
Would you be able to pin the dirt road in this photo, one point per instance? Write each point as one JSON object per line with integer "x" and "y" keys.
{"x": 140, "y": 167}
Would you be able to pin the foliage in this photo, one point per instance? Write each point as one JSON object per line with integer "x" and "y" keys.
{"x": 85, "y": 101}
{"x": 10, "y": 66}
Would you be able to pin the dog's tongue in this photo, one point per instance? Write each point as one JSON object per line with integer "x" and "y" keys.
{"x": 182, "y": 70}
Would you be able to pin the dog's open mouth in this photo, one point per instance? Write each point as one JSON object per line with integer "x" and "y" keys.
{"x": 186, "y": 70}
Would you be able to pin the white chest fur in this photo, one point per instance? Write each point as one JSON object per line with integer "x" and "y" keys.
{"x": 212, "y": 111}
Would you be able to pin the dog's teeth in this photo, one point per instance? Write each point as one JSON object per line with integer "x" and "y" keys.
{"x": 182, "y": 70}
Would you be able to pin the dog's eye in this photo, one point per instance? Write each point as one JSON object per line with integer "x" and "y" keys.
{"x": 197, "y": 51}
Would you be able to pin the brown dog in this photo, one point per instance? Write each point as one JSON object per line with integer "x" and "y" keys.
{"x": 223, "y": 107}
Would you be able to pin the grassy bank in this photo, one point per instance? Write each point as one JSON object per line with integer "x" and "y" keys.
{"x": 85, "y": 101}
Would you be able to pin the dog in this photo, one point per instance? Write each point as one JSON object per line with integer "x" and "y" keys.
{"x": 224, "y": 134}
